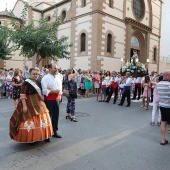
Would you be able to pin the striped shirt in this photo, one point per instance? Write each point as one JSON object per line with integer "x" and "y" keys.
{"x": 163, "y": 88}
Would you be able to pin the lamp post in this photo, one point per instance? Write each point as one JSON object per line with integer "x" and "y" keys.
{"x": 147, "y": 61}
{"x": 121, "y": 60}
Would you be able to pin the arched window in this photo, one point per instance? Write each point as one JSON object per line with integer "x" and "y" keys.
{"x": 109, "y": 43}
{"x": 139, "y": 8}
{"x": 63, "y": 17}
{"x": 49, "y": 18}
{"x": 83, "y": 3}
{"x": 111, "y": 3}
{"x": 134, "y": 42}
{"x": 83, "y": 42}
{"x": 154, "y": 54}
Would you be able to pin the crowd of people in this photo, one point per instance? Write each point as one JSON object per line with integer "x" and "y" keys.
{"x": 37, "y": 95}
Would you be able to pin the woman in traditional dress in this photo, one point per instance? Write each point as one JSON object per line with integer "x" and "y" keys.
{"x": 9, "y": 86}
{"x": 16, "y": 82}
{"x": 2, "y": 83}
{"x": 31, "y": 121}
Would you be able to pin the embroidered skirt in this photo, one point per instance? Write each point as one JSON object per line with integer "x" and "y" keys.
{"x": 36, "y": 128}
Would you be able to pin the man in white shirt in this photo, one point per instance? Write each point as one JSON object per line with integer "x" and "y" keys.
{"x": 114, "y": 87}
{"x": 52, "y": 90}
{"x": 126, "y": 91}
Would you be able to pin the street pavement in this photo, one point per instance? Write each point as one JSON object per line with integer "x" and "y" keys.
{"x": 106, "y": 137}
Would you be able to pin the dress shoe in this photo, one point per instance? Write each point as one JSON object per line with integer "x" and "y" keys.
{"x": 107, "y": 101}
{"x": 133, "y": 99}
{"x": 47, "y": 140}
{"x": 56, "y": 135}
{"x": 120, "y": 104}
{"x": 128, "y": 105}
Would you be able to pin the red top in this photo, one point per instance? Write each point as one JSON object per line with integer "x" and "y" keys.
{"x": 96, "y": 78}
{"x": 114, "y": 84}
{"x": 52, "y": 97}
{"x": 103, "y": 86}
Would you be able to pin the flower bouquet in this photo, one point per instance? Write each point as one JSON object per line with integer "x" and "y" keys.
{"x": 137, "y": 70}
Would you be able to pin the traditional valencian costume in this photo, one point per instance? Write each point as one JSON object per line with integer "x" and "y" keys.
{"x": 35, "y": 124}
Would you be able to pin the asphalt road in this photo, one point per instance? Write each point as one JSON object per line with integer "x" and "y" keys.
{"x": 106, "y": 137}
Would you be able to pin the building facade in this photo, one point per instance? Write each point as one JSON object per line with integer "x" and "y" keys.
{"x": 104, "y": 33}
{"x": 165, "y": 38}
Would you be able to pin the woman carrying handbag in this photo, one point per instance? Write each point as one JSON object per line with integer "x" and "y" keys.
{"x": 71, "y": 87}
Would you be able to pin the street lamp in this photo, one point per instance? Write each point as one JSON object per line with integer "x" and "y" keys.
{"x": 147, "y": 61}
{"x": 121, "y": 60}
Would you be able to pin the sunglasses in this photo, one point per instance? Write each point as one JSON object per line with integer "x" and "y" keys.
{"x": 35, "y": 74}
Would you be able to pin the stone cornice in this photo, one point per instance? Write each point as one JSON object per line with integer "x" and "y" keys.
{"x": 137, "y": 24}
{"x": 51, "y": 7}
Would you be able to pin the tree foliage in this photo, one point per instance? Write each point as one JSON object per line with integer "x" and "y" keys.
{"x": 39, "y": 41}
{"x": 6, "y": 47}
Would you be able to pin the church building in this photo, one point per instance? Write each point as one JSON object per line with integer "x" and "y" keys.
{"x": 104, "y": 33}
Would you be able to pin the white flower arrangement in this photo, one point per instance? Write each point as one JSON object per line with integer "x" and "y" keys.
{"x": 138, "y": 69}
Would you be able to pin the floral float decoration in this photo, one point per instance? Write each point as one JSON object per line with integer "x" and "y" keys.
{"x": 137, "y": 70}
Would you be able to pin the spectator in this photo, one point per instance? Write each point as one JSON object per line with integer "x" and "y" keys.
{"x": 9, "y": 86}
{"x": 88, "y": 83}
{"x": 2, "y": 83}
{"x": 147, "y": 92}
{"x": 16, "y": 82}
{"x": 163, "y": 88}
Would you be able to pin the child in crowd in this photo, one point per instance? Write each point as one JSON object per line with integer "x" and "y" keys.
{"x": 121, "y": 86}
{"x": 147, "y": 92}
{"x": 103, "y": 90}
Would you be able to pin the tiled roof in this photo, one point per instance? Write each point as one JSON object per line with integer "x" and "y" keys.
{"x": 6, "y": 13}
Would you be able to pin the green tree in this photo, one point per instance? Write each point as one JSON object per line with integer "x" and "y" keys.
{"x": 6, "y": 47}
{"x": 39, "y": 41}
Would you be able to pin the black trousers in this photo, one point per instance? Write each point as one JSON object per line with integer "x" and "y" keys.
{"x": 124, "y": 95}
{"x": 137, "y": 90}
{"x": 116, "y": 94}
{"x": 53, "y": 107}
{"x": 111, "y": 92}
{"x": 152, "y": 94}
{"x": 108, "y": 90}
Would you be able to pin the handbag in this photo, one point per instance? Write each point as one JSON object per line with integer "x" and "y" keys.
{"x": 73, "y": 94}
